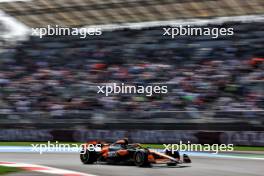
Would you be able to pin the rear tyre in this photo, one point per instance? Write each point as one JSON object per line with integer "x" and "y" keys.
{"x": 141, "y": 159}
{"x": 88, "y": 157}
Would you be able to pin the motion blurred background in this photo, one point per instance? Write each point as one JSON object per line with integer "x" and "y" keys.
{"x": 48, "y": 86}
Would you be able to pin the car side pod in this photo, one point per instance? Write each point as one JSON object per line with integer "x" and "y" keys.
{"x": 186, "y": 159}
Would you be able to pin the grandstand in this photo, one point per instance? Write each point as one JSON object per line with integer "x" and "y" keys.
{"x": 53, "y": 77}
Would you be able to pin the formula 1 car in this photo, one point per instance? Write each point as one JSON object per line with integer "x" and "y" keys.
{"x": 121, "y": 152}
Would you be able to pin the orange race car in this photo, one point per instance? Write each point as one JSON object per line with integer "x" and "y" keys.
{"x": 121, "y": 152}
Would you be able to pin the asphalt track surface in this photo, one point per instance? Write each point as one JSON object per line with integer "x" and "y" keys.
{"x": 201, "y": 166}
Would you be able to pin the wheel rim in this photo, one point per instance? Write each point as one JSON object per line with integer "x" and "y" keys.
{"x": 138, "y": 158}
{"x": 85, "y": 156}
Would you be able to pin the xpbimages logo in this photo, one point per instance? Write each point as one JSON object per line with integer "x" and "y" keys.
{"x": 183, "y": 147}
{"x": 147, "y": 90}
{"x": 63, "y": 147}
{"x": 188, "y": 30}
{"x": 65, "y": 31}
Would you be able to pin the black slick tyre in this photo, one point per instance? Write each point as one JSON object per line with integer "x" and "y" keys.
{"x": 141, "y": 159}
{"x": 88, "y": 157}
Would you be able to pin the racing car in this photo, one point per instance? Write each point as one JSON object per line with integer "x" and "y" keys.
{"x": 121, "y": 152}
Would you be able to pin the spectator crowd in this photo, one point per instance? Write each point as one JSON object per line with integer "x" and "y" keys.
{"x": 61, "y": 74}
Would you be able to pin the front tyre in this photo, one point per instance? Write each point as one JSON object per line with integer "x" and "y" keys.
{"x": 141, "y": 159}
{"x": 174, "y": 154}
{"x": 88, "y": 157}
